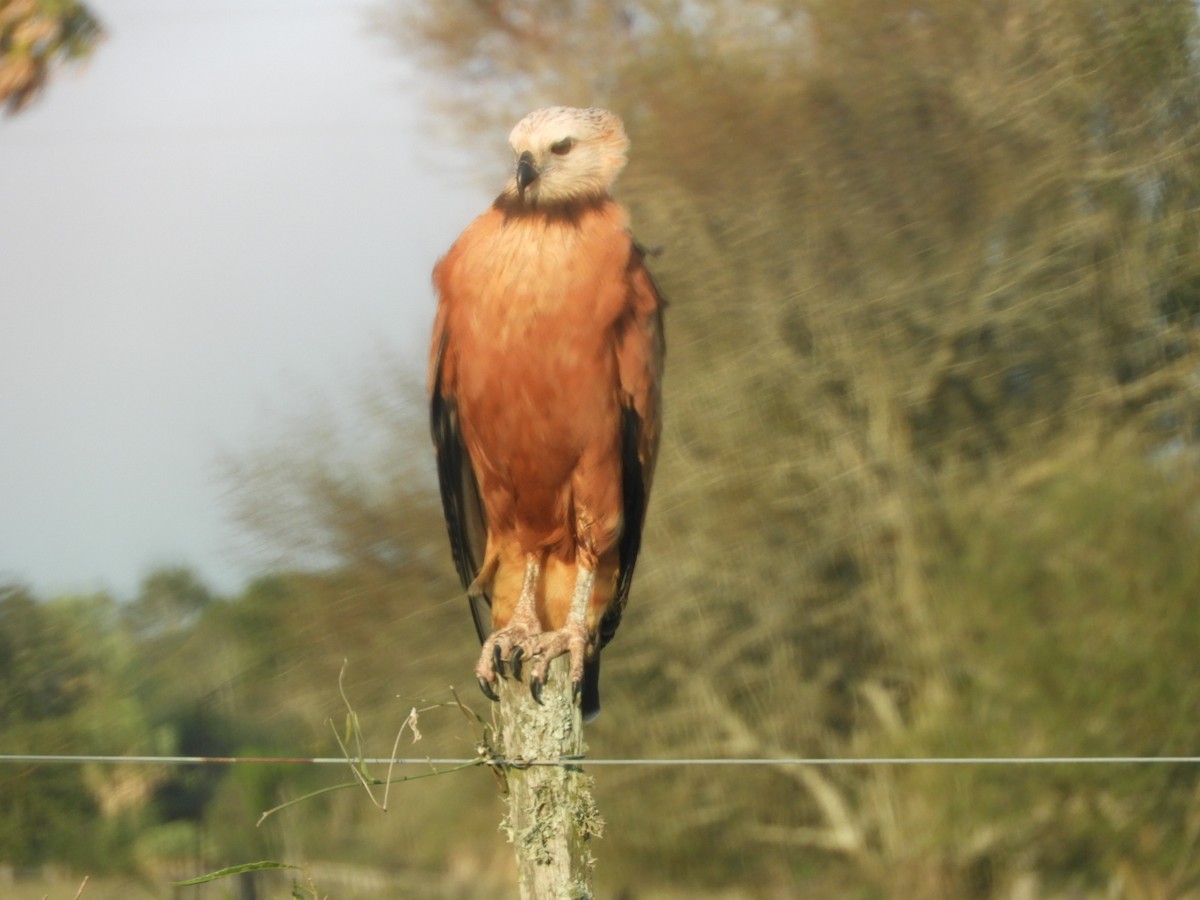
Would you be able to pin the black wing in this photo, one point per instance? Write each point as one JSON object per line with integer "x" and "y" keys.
{"x": 640, "y": 427}
{"x": 466, "y": 521}
{"x": 634, "y": 491}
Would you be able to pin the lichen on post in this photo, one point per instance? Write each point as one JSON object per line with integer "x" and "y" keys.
{"x": 552, "y": 815}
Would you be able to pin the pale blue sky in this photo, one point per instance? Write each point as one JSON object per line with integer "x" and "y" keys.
{"x": 228, "y": 210}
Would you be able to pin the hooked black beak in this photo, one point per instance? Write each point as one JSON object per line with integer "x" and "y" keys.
{"x": 526, "y": 173}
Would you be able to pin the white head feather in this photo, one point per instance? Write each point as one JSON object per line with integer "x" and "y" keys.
{"x": 576, "y": 154}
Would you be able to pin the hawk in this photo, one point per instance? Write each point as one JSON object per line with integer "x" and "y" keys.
{"x": 544, "y": 382}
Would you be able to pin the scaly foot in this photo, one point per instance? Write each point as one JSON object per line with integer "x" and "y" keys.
{"x": 507, "y": 650}
{"x": 571, "y": 639}
{"x": 505, "y": 646}
{"x": 510, "y": 644}
{"x": 523, "y": 641}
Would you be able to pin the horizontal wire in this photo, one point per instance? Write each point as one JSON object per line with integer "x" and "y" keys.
{"x": 46, "y": 758}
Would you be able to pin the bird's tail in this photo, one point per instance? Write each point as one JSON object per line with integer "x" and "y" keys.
{"x": 589, "y": 702}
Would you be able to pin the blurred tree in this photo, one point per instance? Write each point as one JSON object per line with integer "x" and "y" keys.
{"x": 344, "y": 504}
{"x": 170, "y": 599}
{"x": 933, "y": 272}
{"x": 35, "y": 35}
{"x": 355, "y": 509}
{"x": 61, "y": 663}
{"x": 911, "y": 245}
{"x": 45, "y": 668}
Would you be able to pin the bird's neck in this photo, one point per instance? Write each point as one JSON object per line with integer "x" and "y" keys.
{"x": 568, "y": 211}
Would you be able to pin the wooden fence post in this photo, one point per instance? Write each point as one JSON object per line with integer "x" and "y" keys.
{"x": 552, "y": 815}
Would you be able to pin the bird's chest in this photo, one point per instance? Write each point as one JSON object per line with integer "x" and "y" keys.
{"x": 537, "y": 363}
{"x": 533, "y": 283}
{"x": 543, "y": 304}
{"x": 540, "y": 359}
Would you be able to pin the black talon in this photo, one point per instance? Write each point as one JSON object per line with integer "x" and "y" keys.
{"x": 497, "y": 661}
{"x": 486, "y": 687}
{"x": 514, "y": 662}
{"x": 535, "y": 690}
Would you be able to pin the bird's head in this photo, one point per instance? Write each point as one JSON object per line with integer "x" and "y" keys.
{"x": 565, "y": 154}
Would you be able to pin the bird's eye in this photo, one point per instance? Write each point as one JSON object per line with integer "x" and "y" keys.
{"x": 563, "y": 147}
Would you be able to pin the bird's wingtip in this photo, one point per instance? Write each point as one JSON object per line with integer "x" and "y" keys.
{"x": 589, "y": 702}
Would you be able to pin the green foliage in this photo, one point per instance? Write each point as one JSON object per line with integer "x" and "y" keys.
{"x": 178, "y": 670}
{"x": 170, "y": 599}
{"x": 1102, "y": 562}
{"x": 60, "y": 695}
{"x": 43, "y": 662}
{"x": 1068, "y": 628}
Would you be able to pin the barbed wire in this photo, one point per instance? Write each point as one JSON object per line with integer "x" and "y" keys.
{"x": 79, "y": 759}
